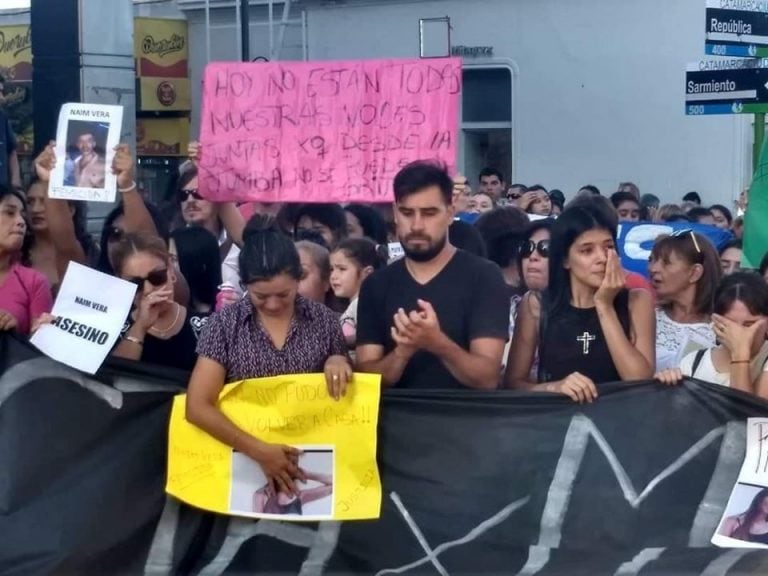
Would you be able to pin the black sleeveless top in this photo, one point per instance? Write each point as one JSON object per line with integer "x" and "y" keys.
{"x": 572, "y": 341}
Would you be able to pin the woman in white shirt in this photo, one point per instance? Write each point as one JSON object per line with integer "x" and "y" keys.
{"x": 684, "y": 270}
{"x": 740, "y": 321}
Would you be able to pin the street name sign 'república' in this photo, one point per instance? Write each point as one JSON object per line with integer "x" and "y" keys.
{"x": 737, "y": 28}
{"x": 727, "y": 86}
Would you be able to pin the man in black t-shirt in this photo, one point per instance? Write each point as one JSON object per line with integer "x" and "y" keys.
{"x": 438, "y": 318}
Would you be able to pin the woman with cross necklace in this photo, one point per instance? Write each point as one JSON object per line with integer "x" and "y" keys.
{"x": 589, "y": 329}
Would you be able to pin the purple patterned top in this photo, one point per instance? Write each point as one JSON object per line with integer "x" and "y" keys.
{"x": 234, "y": 338}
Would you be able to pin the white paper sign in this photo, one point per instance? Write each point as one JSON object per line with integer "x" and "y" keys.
{"x": 85, "y": 147}
{"x": 744, "y": 524}
{"x": 90, "y": 311}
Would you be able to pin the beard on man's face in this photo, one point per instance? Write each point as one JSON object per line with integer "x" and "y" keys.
{"x": 427, "y": 251}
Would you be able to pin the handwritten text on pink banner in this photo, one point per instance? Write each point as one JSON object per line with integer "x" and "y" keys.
{"x": 324, "y": 131}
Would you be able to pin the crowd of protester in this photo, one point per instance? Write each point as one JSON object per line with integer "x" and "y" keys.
{"x": 505, "y": 287}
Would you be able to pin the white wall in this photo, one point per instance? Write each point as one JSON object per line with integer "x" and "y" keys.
{"x": 600, "y": 91}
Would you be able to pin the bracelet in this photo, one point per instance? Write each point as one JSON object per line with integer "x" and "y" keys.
{"x": 135, "y": 340}
{"x": 740, "y": 361}
{"x": 131, "y": 187}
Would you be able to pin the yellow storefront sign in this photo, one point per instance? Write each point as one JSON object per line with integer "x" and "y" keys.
{"x": 162, "y": 64}
{"x": 16, "y": 68}
{"x": 337, "y": 440}
{"x": 162, "y": 136}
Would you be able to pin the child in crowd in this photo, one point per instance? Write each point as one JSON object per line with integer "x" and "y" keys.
{"x": 352, "y": 261}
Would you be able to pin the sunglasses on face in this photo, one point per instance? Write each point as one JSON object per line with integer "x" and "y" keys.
{"x": 528, "y": 248}
{"x": 156, "y": 278}
{"x": 183, "y": 195}
{"x": 115, "y": 234}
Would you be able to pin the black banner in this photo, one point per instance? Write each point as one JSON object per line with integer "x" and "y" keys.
{"x": 474, "y": 483}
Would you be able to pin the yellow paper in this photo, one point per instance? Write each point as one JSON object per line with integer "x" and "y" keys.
{"x": 337, "y": 439}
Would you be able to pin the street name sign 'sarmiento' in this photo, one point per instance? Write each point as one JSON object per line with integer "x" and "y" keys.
{"x": 727, "y": 86}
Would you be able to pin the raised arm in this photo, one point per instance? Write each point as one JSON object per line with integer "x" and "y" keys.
{"x": 634, "y": 356}
{"x": 137, "y": 217}
{"x": 60, "y": 224}
{"x": 230, "y": 216}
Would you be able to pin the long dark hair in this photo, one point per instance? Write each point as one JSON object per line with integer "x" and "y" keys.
{"x": 572, "y": 223}
{"x": 535, "y": 226}
{"x": 161, "y": 225}
{"x": 199, "y": 262}
{"x": 746, "y": 287}
{"x": 267, "y": 252}
{"x": 29, "y": 238}
{"x": 750, "y": 516}
{"x": 372, "y": 223}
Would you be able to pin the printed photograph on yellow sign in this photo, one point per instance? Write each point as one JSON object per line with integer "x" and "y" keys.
{"x": 336, "y": 440}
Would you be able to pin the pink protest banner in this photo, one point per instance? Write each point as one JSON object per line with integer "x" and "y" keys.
{"x": 324, "y": 131}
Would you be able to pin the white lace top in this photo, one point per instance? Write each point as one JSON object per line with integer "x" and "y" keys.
{"x": 675, "y": 340}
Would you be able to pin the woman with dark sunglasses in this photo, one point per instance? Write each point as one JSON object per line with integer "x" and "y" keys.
{"x": 685, "y": 271}
{"x": 157, "y": 330}
{"x": 532, "y": 262}
{"x": 588, "y": 328}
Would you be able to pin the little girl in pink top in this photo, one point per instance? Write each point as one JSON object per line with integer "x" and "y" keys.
{"x": 24, "y": 293}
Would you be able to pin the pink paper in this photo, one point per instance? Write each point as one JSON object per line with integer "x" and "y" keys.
{"x": 324, "y": 131}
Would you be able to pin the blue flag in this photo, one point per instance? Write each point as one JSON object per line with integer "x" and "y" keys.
{"x": 635, "y": 240}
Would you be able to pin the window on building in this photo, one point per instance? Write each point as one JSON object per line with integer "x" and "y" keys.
{"x": 486, "y": 122}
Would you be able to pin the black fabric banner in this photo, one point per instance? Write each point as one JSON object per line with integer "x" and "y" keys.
{"x": 474, "y": 483}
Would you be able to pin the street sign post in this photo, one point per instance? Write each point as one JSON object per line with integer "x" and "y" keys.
{"x": 735, "y": 86}
{"x": 737, "y": 28}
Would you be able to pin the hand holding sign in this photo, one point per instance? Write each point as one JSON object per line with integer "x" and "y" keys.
{"x": 7, "y": 321}
{"x": 122, "y": 167}
{"x": 46, "y": 162}
{"x": 86, "y": 319}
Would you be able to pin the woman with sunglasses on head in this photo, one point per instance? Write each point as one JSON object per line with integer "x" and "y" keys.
{"x": 157, "y": 330}
{"x": 588, "y": 328}
{"x": 685, "y": 270}
{"x": 740, "y": 320}
{"x": 272, "y": 331}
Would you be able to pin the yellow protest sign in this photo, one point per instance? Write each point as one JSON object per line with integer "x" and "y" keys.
{"x": 337, "y": 440}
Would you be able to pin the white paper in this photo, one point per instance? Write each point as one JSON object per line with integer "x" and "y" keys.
{"x": 751, "y": 489}
{"x": 86, "y": 137}
{"x": 91, "y": 309}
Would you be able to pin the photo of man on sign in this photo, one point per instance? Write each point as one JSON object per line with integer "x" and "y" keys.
{"x": 85, "y": 164}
